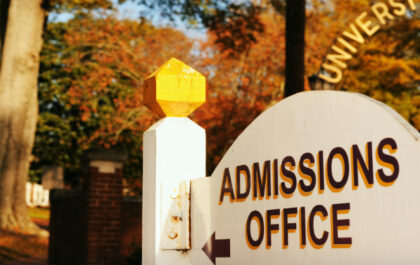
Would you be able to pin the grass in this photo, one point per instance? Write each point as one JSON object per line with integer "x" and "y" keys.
{"x": 14, "y": 246}
{"x": 39, "y": 213}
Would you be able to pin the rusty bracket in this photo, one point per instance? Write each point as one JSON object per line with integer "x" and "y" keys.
{"x": 176, "y": 225}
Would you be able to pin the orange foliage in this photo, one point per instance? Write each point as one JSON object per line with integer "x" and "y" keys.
{"x": 240, "y": 88}
{"x": 386, "y": 68}
{"x": 112, "y": 58}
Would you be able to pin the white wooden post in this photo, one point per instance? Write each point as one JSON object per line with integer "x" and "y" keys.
{"x": 173, "y": 153}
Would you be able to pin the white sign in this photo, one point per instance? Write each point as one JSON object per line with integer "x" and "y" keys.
{"x": 320, "y": 178}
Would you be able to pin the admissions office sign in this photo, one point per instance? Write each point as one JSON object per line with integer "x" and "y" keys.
{"x": 320, "y": 178}
{"x": 307, "y": 175}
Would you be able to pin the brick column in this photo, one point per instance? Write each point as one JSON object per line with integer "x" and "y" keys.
{"x": 102, "y": 190}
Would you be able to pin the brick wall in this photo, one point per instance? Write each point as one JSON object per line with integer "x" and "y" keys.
{"x": 103, "y": 203}
{"x": 131, "y": 225}
{"x": 93, "y": 226}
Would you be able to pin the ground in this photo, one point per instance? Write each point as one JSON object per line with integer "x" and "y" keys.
{"x": 16, "y": 249}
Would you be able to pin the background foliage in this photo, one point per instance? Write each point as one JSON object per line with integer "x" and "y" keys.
{"x": 94, "y": 64}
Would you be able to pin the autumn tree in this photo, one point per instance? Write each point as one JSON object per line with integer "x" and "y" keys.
{"x": 237, "y": 26}
{"x": 240, "y": 87}
{"x": 246, "y": 62}
{"x": 91, "y": 81}
{"x": 395, "y": 64}
{"x": 92, "y": 96}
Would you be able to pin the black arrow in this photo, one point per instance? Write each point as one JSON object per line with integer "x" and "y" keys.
{"x": 217, "y": 248}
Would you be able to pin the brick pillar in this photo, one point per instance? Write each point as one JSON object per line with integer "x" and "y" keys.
{"x": 102, "y": 190}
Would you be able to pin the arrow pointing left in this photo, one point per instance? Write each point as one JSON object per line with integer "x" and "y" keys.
{"x": 217, "y": 248}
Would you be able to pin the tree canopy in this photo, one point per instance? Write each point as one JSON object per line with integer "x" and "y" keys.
{"x": 93, "y": 66}
{"x": 92, "y": 70}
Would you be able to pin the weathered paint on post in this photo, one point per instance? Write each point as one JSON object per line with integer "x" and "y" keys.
{"x": 176, "y": 228}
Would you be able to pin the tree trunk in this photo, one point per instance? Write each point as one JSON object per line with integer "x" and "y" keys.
{"x": 4, "y": 7}
{"x": 295, "y": 46}
{"x": 18, "y": 109}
